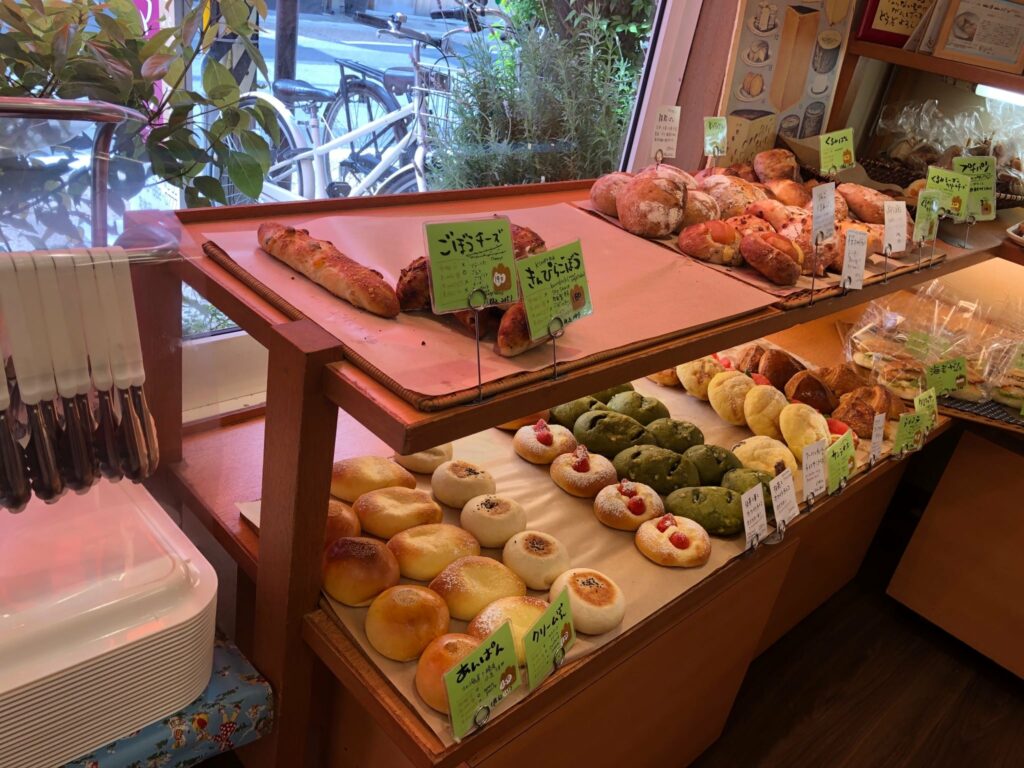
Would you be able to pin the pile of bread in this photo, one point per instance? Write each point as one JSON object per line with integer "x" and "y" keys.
{"x": 394, "y": 531}
{"x": 756, "y": 214}
{"x": 785, "y": 405}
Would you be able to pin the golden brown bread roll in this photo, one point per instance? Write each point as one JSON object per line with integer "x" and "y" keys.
{"x": 715, "y": 242}
{"x": 842, "y": 378}
{"x": 789, "y": 192}
{"x": 351, "y": 478}
{"x": 521, "y": 612}
{"x": 403, "y": 620}
{"x": 650, "y": 206}
{"x": 732, "y": 194}
{"x": 667, "y": 378}
{"x": 388, "y": 511}
{"x": 744, "y": 171}
{"x": 426, "y": 550}
{"x": 341, "y": 522}
{"x": 357, "y": 569}
{"x": 605, "y": 190}
{"x": 470, "y": 584}
{"x": 700, "y": 207}
{"x": 806, "y": 387}
{"x": 773, "y": 255}
{"x": 514, "y": 333}
{"x": 425, "y": 462}
{"x": 696, "y": 375}
{"x": 747, "y": 224}
{"x": 438, "y": 658}
{"x": 666, "y": 171}
{"x": 597, "y": 603}
{"x": 867, "y": 204}
{"x": 775, "y": 164}
{"x": 727, "y": 391}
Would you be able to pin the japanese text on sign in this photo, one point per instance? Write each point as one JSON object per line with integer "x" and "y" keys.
{"x": 554, "y": 286}
{"x": 842, "y": 461}
{"x": 836, "y": 151}
{"x": 895, "y": 226}
{"x": 823, "y": 211}
{"x": 854, "y": 259}
{"x": 815, "y": 478}
{"x": 784, "y": 503}
{"x": 927, "y": 405}
{"x": 910, "y": 433}
{"x": 981, "y": 202}
{"x": 947, "y": 376}
{"x": 547, "y": 641}
{"x": 877, "y": 436}
{"x": 470, "y": 258}
{"x": 755, "y": 518}
{"x": 478, "y": 683}
{"x": 953, "y": 188}
{"x": 926, "y": 220}
{"x": 715, "y": 130}
{"x": 666, "y": 133}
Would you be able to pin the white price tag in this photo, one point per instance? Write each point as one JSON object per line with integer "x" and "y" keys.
{"x": 854, "y": 257}
{"x": 666, "y": 133}
{"x": 877, "y": 435}
{"x": 823, "y": 208}
{"x": 895, "y": 226}
{"x": 815, "y": 476}
{"x": 784, "y": 502}
{"x": 755, "y": 519}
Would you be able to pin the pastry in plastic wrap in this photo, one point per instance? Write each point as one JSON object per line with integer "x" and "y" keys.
{"x": 661, "y": 469}
{"x": 712, "y": 462}
{"x": 608, "y": 432}
{"x": 717, "y": 510}
{"x": 605, "y": 191}
{"x": 765, "y": 454}
{"x": 904, "y": 377}
{"x": 806, "y": 387}
{"x": 802, "y": 425}
{"x": 696, "y": 375}
{"x": 675, "y": 542}
{"x": 761, "y": 409}
{"x": 775, "y": 164}
{"x": 640, "y": 407}
{"x": 627, "y": 505}
{"x": 1009, "y": 389}
{"x": 726, "y": 392}
{"x": 649, "y": 206}
{"x": 597, "y": 603}
{"x": 675, "y": 435}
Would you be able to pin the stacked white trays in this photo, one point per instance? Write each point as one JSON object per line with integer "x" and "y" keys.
{"x": 107, "y": 619}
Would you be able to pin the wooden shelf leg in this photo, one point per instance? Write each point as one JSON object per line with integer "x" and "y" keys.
{"x": 297, "y": 460}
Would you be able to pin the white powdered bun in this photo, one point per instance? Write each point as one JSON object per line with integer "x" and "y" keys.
{"x": 425, "y": 462}
{"x": 626, "y": 505}
{"x": 456, "y": 482}
{"x": 521, "y": 612}
{"x": 470, "y": 584}
{"x": 674, "y": 541}
{"x": 351, "y": 478}
{"x": 540, "y": 443}
{"x": 493, "y": 519}
{"x": 426, "y": 550}
{"x": 537, "y": 558}
{"x": 597, "y": 603}
{"x": 582, "y": 473}
{"x": 388, "y": 511}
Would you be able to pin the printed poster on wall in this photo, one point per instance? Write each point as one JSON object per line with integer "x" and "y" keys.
{"x": 783, "y": 70}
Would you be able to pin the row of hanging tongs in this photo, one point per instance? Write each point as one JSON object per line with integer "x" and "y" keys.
{"x": 72, "y": 406}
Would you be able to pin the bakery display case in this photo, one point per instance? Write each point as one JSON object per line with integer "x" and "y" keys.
{"x": 334, "y": 392}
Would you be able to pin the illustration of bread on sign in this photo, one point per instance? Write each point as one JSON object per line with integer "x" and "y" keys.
{"x": 577, "y": 296}
{"x": 501, "y": 278}
{"x": 847, "y": 157}
{"x": 956, "y": 203}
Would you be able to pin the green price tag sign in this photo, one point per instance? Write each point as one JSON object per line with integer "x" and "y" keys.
{"x": 478, "y": 683}
{"x": 1018, "y": 361}
{"x": 472, "y": 264}
{"x": 926, "y": 219}
{"x": 555, "y": 289}
{"x": 836, "y": 151}
{"x": 954, "y": 189}
{"x": 549, "y": 640}
{"x": 928, "y": 406}
{"x": 841, "y": 458}
{"x": 947, "y": 375}
{"x": 715, "y": 130}
{"x": 910, "y": 433}
{"x": 981, "y": 204}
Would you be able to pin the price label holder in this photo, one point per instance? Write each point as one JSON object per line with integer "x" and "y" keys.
{"x": 666, "y": 134}
{"x": 981, "y": 202}
{"x": 823, "y": 221}
{"x": 947, "y": 376}
{"x": 895, "y": 226}
{"x": 842, "y": 461}
{"x": 555, "y": 292}
{"x": 784, "y": 503}
{"x": 549, "y": 640}
{"x": 815, "y": 477}
{"x": 877, "y": 436}
{"x": 715, "y": 131}
{"x": 478, "y": 683}
{"x": 909, "y": 434}
{"x": 854, "y": 259}
{"x": 953, "y": 188}
{"x": 928, "y": 406}
{"x": 926, "y": 220}
{"x": 755, "y": 518}
{"x": 836, "y": 151}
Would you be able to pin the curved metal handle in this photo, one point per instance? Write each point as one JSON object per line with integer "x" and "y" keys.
{"x": 59, "y": 109}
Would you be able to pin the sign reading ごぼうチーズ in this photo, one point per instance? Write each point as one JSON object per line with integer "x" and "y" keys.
{"x": 472, "y": 264}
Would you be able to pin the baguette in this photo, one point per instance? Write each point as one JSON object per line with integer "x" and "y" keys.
{"x": 514, "y": 333}
{"x": 329, "y": 268}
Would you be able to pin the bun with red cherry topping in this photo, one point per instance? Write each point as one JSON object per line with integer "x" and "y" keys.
{"x": 582, "y": 473}
{"x": 541, "y": 443}
{"x": 673, "y": 541}
{"x": 626, "y": 505}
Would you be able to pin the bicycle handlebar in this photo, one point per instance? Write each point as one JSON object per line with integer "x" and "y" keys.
{"x": 372, "y": 21}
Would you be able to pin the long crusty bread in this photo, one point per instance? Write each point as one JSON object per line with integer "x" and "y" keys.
{"x": 326, "y": 266}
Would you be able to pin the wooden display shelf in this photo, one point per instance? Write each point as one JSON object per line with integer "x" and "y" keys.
{"x": 944, "y": 67}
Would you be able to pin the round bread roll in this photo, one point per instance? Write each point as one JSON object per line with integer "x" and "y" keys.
{"x": 356, "y": 570}
{"x": 765, "y": 454}
{"x": 456, "y": 482}
{"x": 388, "y": 511}
{"x": 493, "y": 519}
{"x": 801, "y": 425}
{"x": 425, "y": 462}
{"x": 582, "y": 473}
{"x": 775, "y": 164}
{"x": 697, "y": 374}
{"x": 747, "y": 224}
{"x": 626, "y": 505}
{"x": 540, "y": 443}
{"x": 403, "y": 620}
{"x": 715, "y": 242}
{"x": 426, "y": 550}
{"x": 535, "y": 557}
{"x": 523, "y": 421}
{"x": 666, "y": 171}
{"x": 761, "y": 409}
{"x": 438, "y": 658}
{"x": 673, "y": 541}
{"x": 666, "y": 378}
{"x": 650, "y": 206}
{"x": 351, "y": 478}
{"x": 521, "y": 612}
{"x": 470, "y": 584}
{"x": 732, "y": 194}
{"x": 700, "y": 207}
{"x": 789, "y": 192}
{"x": 341, "y": 522}
{"x": 727, "y": 391}
{"x": 605, "y": 191}
{"x": 597, "y": 603}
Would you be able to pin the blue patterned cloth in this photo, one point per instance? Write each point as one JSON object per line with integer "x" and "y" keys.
{"x": 236, "y": 708}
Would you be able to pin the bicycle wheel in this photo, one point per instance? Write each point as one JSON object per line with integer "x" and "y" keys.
{"x": 401, "y": 183}
{"x": 290, "y": 178}
{"x": 350, "y": 163}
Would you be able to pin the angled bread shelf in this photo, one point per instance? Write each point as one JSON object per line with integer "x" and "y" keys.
{"x": 938, "y": 66}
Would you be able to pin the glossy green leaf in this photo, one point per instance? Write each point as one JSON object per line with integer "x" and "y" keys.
{"x": 257, "y": 148}
{"x": 211, "y": 188}
{"x": 246, "y": 174}
{"x": 219, "y": 83}
{"x": 157, "y": 42}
